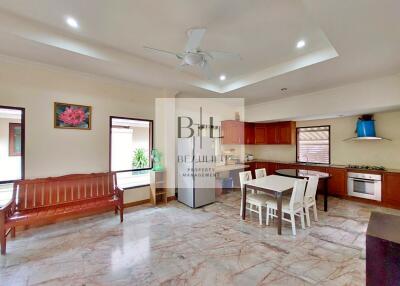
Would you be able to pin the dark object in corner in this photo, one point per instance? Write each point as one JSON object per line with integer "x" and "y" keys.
{"x": 383, "y": 250}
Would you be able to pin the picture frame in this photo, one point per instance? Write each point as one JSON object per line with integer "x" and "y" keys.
{"x": 72, "y": 116}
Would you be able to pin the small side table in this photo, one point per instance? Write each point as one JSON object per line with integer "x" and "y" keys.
{"x": 383, "y": 250}
{"x": 158, "y": 192}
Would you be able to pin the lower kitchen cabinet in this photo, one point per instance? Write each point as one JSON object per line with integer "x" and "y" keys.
{"x": 337, "y": 183}
{"x": 286, "y": 166}
{"x": 271, "y": 168}
{"x": 391, "y": 189}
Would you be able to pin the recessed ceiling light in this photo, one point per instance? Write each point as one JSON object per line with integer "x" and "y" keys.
{"x": 300, "y": 44}
{"x": 72, "y": 22}
{"x": 222, "y": 77}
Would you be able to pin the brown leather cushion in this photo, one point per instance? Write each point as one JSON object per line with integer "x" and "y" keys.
{"x": 46, "y": 213}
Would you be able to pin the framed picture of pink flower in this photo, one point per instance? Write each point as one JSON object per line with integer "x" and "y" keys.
{"x": 72, "y": 116}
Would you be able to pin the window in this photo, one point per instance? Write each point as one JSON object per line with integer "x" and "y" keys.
{"x": 313, "y": 144}
{"x": 14, "y": 142}
{"x": 130, "y": 150}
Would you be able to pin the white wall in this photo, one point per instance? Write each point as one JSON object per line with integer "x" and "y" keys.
{"x": 10, "y": 166}
{"x": 50, "y": 151}
{"x": 385, "y": 153}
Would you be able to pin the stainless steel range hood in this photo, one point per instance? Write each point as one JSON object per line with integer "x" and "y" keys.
{"x": 366, "y": 138}
{"x": 366, "y": 130}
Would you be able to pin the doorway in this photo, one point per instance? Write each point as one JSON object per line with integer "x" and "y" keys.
{"x": 12, "y": 149}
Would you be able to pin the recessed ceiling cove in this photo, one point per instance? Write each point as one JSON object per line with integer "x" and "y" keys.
{"x": 281, "y": 43}
{"x": 263, "y": 33}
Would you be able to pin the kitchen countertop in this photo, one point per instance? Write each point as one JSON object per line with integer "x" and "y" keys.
{"x": 232, "y": 167}
{"x": 324, "y": 165}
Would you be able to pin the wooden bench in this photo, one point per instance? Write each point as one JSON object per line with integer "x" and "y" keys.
{"x": 42, "y": 201}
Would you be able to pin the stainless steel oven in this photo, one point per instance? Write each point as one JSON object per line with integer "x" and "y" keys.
{"x": 367, "y": 186}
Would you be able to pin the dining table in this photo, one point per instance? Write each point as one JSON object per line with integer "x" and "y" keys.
{"x": 273, "y": 185}
{"x": 301, "y": 173}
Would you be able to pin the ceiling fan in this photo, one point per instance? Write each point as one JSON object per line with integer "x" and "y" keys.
{"x": 194, "y": 56}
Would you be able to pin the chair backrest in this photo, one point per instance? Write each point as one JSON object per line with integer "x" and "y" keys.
{"x": 312, "y": 187}
{"x": 260, "y": 173}
{"x": 243, "y": 178}
{"x": 296, "y": 200}
{"x": 36, "y": 193}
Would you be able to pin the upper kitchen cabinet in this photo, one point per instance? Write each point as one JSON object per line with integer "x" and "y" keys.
{"x": 249, "y": 133}
{"x": 236, "y": 132}
{"x": 233, "y": 132}
{"x": 281, "y": 133}
{"x": 260, "y": 133}
{"x": 286, "y": 132}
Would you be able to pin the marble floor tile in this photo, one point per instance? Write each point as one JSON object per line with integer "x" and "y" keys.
{"x": 176, "y": 245}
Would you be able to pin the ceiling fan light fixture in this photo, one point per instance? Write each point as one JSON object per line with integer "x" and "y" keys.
{"x": 193, "y": 59}
{"x": 222, "y": 77}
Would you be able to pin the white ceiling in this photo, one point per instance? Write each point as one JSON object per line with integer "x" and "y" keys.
{"x": 346, "y": 41}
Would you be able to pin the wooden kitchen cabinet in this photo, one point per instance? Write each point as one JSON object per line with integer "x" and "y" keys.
{"x": 271, "y": 168}
{"x": 232, "y": 132}
{"x": 286, "y": 166}
{"x": 281, "y": 133}
{"x": 271, "y": 134}
{"x": 286, "y": 132}
{"x": 237, "y": 132}
{"x": 260, "y": 165}
{"x": 259, "y": 134}
{"x": 338, "y": 182}
{"x": 312, "y": 168}
{"x": 391, "y": 189}
{"x": 249, "y": 133}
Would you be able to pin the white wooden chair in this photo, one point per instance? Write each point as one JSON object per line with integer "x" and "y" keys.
{"x": 260, "y": 173}
{"x": 253, "y": 199}
{"x": 293, "y": 207}
{"x": 309, "y": 198}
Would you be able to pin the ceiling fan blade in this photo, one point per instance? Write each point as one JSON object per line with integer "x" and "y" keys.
{"x": 223, "y": 55}
{"x": 206, "y": 69}
{"x": 164, "y": 52}
{"x": 195, "y": 37}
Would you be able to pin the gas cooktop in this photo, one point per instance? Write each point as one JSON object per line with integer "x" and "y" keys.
{"x": 366, "y": 167}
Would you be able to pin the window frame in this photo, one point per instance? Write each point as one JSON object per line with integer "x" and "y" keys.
{"x": 22, "y": 109}
{"x": 151, "y": 133}
{"x": 297, "y": 144}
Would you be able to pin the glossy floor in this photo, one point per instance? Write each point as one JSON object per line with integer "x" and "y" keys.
{"x": 176, "y": 245}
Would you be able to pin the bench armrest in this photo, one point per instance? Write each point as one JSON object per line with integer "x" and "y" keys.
{"x": 120, "y": 194}
{"x": 8, "y": 209}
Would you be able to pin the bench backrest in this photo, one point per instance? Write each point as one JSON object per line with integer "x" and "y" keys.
{"x": 36, "y": 193}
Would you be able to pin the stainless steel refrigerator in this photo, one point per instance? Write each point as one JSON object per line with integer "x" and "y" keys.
{"x": 195, "y": 171}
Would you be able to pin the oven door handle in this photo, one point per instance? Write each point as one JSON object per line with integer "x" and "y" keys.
{"x": 364, "y": 180}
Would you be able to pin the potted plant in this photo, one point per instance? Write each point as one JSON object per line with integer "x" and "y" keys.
{"x": 140, "y": 160}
